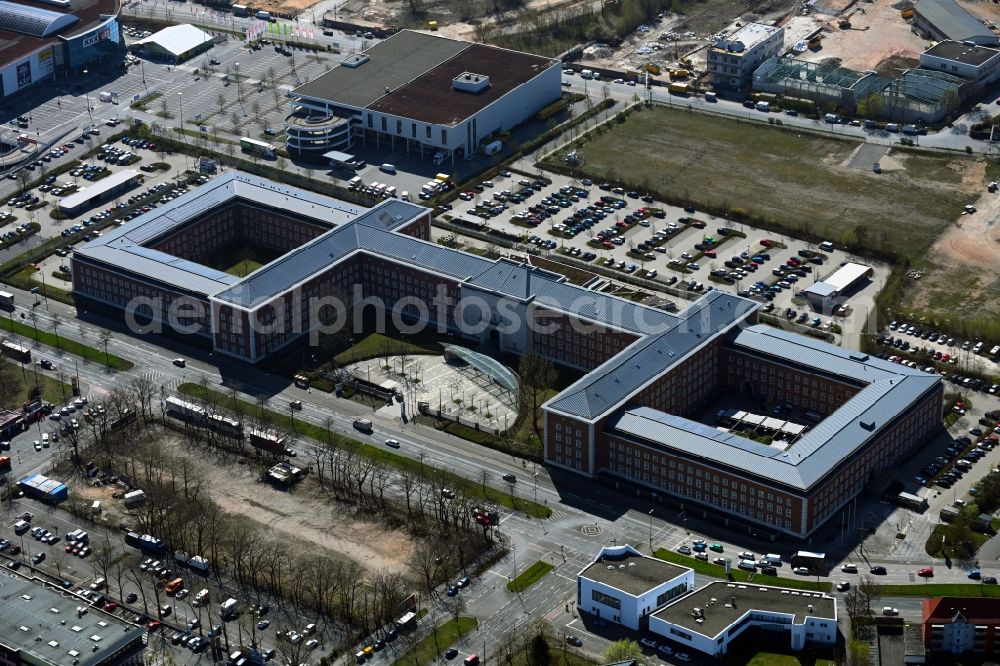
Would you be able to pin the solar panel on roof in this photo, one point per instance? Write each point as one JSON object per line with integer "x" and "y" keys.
{"x": 33, "y": 21}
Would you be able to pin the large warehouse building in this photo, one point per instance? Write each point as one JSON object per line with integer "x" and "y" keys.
{"x": 644, "y": 368}
{"x": 42, "y": 41}
{"x": 946, "y": 19}
{"x": 423, "y": 93}
{"x": 41, "y": 624}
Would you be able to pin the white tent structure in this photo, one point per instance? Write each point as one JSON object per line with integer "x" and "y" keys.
{"x": 176, "y": 43}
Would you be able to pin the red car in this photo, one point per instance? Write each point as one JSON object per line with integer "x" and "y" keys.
{"x": 711, "y": 254}
{"x": 154, "y": 625}
{"x": 110, "y": 606}
{"x": 926, "y": 572}
{"x": 15, "y": 549}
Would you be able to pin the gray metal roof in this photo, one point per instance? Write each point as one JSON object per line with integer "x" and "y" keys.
{"x": 30, "y": 610}
{"x": 124, "y": 246}
{"x": 292, "y": 268}
{"x": 524, "y": 282}
{"x": 373, "y": 232}
{"x": 160, "y": 267}
{"x": 891, "y": 390}
{"x": 391, "y": 64}
{"x": 619, "y": 378}
{"x": 953, "y": 21}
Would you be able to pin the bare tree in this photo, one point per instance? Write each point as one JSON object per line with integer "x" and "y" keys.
{"x": 105, "y": 337}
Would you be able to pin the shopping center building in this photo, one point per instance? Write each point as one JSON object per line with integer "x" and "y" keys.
{"x": 53, "y": 40}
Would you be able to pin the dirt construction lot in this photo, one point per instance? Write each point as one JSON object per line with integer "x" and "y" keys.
{"x": 298, "y": 514}
{"x": 958, "y": 279}
{"x": 875, "y": 35}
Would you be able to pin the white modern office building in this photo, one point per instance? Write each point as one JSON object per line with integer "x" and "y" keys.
{"x": 621, "y": 585}
{"x": 710, "y": 619}
{"x": 421, "y": 93}
{"x": 965, "y": 59}
{"x": 732, "y": 60}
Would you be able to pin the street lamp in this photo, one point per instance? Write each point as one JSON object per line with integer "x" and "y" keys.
{"x": 180, "y": 101}
{"x": 238, "y": 93}
{"x": 651, "y": 529}
{"x": 87, "y": 93}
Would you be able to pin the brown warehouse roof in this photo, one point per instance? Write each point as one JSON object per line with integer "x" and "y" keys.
{"x": 410, "y": 75}
{"x": 430, "y": 98}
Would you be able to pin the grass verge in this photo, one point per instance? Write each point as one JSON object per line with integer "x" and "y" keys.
{"x": 320, "y": 434}
{"x": 436, "y": 642}
{"x": 530, "y": 576}
{"x": 28, "y": 381}
{"x": 941, "y": 590}
{"x": 738, "y": 575}
{"x": 376, "y": 345}
{"x": 65, "y": 344}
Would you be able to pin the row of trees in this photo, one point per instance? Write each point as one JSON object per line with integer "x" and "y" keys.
{"x": 179, "y": 508}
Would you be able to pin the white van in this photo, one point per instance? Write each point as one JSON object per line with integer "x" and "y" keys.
{"x": 21, "y": 526}
{"x": 747, "y": 565}
{"x": 826, "y": 246}
{"x": 354, "y": 183}
{"x": 390, "y": 191}
{"x": 201, "y": 598}
{"x": 405, "y": 196}
{"x": 763, "y": 106}
{"x": 387, "y": 168}
{"x": 711, "y": 97}
{"x": 772, "y": 559}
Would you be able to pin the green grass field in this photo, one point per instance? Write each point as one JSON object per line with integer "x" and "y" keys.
{"x": 26, "y": 380}
{"x": 284, "y": 421}
{"x": 794, "y": 180}
{"x": 751, "y": 657}
{"x": 69, "y": 346}
{"x": 375, "y": 345}
{"x": 530, "y": 576}
{"x": 738, "y": 575}
{"x": 244, "y": 267}
{"x": 240, "y": 259}
{"x": 436, "y": 642}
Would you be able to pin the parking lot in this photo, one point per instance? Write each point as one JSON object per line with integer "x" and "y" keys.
{"x": 182, "y": 621}
{"x": 633, "y": 234}
{"x": 156, "y": 187}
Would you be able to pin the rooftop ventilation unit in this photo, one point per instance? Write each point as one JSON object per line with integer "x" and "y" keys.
{"x": 470, "y": 82}
{"x": 355, "y": 60}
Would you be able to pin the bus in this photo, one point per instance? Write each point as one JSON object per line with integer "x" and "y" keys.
{"x": 909, "y": 501}
{"x": 16, "y": 352}
{"x": 804, "y": 558}
{"x": 6, "y": 300}
{"x": 255, "y": 147}
{"x": 226, "y": 425}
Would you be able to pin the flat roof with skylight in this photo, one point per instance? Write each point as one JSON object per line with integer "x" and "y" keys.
{"x": 42, "y": 621}
{"x": 631, "y": 573}
{"x": 720, "y": 604}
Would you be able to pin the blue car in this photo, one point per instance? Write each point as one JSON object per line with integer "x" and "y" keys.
{"x": 975, "y": 574}
{"x": 699, "y": 547}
